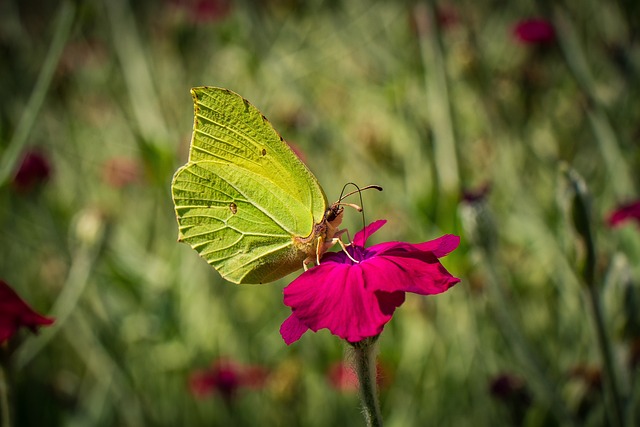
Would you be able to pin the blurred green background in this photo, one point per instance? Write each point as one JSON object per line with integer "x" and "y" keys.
{"x": 466, "y": 125}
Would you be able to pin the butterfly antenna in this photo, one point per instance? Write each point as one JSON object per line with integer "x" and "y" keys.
{"x": 357, "y": 207}
{"x": 358, "y": 190}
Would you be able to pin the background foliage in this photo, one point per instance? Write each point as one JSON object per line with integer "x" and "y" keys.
{"x": 427, "y": 99}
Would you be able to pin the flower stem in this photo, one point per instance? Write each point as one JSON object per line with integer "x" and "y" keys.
{"x": 614, "y": 401}
{"x": 582, "y": 222}
{"x": 5, "y": 406}
{"x": 366, "y": 369}
{"x": 62, "y": 30}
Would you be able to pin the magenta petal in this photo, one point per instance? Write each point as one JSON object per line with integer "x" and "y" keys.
{"x": 437, "y": 248}
{"x": 361, "y": 236}
{"x": 389, "y": 301}
{"x": 441, "y": 246}
{"x": 394, "y": 273}
{"x": 15, "y": 313}
{"x": 292, "y": 329}
{"x": 624, "y": 213}
{"x": 334, "y": 296}
{"x": 534, "y": 31}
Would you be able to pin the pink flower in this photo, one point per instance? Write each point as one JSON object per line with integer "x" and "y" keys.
{"x": 624, "y": 213}
{"x": 120, "y": 172}
{"x": 202, "y": 11}
{"x": 507, "y": 387}
{"x": 355, "y": 300}
{"x": 226, "y": 377}
{"x": 15, "y": 313}
{"x": 514, "y": 394}
{"x": 447, "y": 16}
{"x": 476, "y": 195}
{"x": 342, "y": 377}
{"x": 534, "y": 31}
{"x": 33, "y": 170}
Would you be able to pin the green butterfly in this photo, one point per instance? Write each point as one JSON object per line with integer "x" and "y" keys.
{"x": 244, "y": 201}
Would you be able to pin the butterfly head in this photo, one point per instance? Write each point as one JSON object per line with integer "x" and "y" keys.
{"x": 333, "y": 214}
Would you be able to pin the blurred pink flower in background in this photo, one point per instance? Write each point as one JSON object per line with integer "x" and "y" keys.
{"x": 226, "y": 377}
{"x": 355, "y": 300}
{"x": 534, "y": 31}
{"x": 298, "y": 151}
{"x": 119, "y": 172}
{"x": 34, "y": 169}
{"x": 15, "y": 314}
{"x": 342, "y": 377}
{"x": 514, "y": 394}
{"x": 476, "y": 194}
{"x": 624, "y": 213}
{"x": 203, "y": 11}
{"x": 447, "y": 16}
{"x": 508, "y": 386}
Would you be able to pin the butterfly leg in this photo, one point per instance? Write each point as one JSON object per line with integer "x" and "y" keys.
{"x": 344, "y": 248}
{"x": 326, "y": 245}
{"x": 321, "y": 248}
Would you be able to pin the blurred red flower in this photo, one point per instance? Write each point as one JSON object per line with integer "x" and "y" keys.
{"x": 226, "y": 377}
{"x": 534, "y": 31}
{"x": 33, "y": 170}
{"x": 507, "y": 387}
{"x": 624, "y": 213}
{"x": 119, "y": 172}
{"x": 202, "y": 11}
{"x": 342, "y": 377}
{"x": 447, "y": 16}
{"x": 476, "y": 194}
{"x": 512, "y": 391}
{"x": 15, "y": 313}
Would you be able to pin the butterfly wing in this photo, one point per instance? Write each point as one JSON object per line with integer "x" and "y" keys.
{"x": 244, "y": 195}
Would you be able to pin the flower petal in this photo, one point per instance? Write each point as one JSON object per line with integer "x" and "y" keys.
{"x": 534, "y": 31}
{"x": 361, "y": 236}
{"x": 15, "y": 313}
{"x": 292, "y": 329}
{"x": 399, "y": 266}
{"x": 389, "y": 301}
{"x": 334, "y": 296}
{"x": 400, "y": 273}
{"x": 624, "y": 213}
{"x": 439, "y": 247}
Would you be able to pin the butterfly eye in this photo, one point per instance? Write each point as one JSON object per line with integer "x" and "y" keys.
{"x": 333, "y": 212}
{"x": 329, "y": 214}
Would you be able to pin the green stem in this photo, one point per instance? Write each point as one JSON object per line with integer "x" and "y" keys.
{"x": 615, "y": 405}
{"x": 366, "y": 369}
{"x": 612, "y": 156}
{"x": 614, "y": 401}
{"x": 84, "y": 259}
{"x": 439, "y": 102}
{"x": 5, "y": 400}
{"x": 61, "y": 33}
{"x": 582, "y": 221}
{"x": 525, "y": 354}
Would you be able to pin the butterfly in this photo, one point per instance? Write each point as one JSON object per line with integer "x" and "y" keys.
{"x": 244, "y": 200}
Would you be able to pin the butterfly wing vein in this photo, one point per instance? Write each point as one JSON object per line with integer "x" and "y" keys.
{"x": 244, "y": 195}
